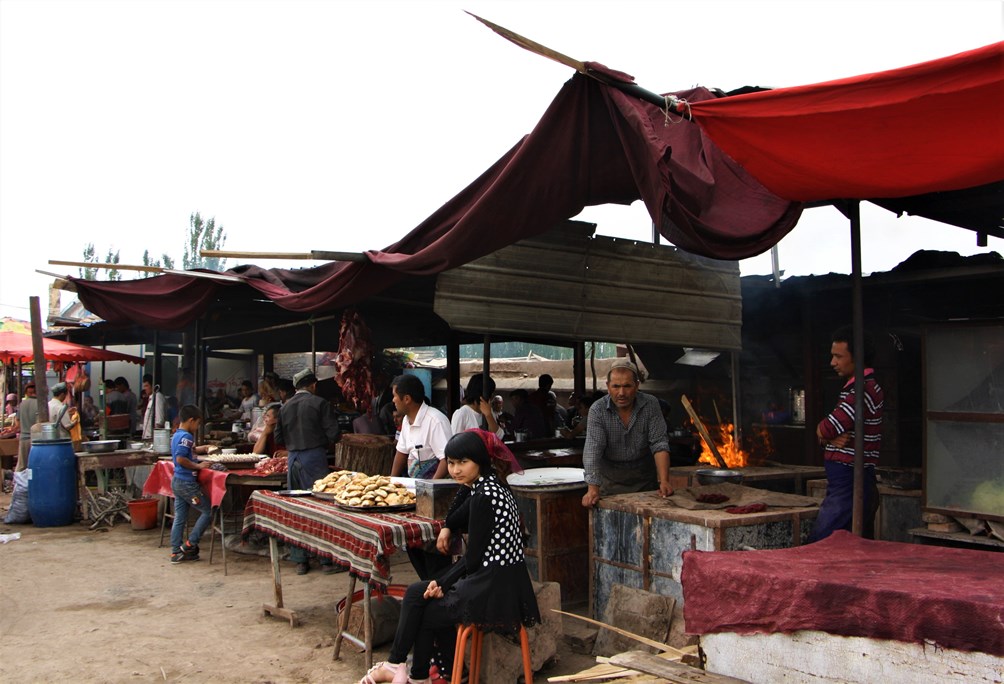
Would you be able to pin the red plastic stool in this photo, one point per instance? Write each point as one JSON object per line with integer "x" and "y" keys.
{"x": 476, "y": 635}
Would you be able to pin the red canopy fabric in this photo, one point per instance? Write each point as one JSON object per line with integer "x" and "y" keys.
{"x": 16, "y": 347}
{"x": 929, "y": 127}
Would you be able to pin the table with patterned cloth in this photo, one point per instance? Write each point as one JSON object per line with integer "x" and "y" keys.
{"x": 358, "y": 541}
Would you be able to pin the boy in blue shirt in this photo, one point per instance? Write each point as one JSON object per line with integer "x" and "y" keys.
{"x": 185, "y": 486}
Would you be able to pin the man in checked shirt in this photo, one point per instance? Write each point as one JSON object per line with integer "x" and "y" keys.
{"x": 626, "y": 445}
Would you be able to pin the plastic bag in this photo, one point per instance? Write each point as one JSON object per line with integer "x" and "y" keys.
{"x": 18, "y": 513}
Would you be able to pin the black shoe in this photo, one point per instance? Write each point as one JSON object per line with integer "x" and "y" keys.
{"x": 302, "y": 568}
{"x": 331, "y": 568}
{"x": 190, "y": 549}
{"x": 182, "y": 557}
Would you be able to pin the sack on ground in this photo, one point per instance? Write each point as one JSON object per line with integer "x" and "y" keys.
{"x": 18, "y": 512}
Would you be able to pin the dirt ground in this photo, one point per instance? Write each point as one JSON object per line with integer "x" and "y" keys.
{"x": 108, "y": 606}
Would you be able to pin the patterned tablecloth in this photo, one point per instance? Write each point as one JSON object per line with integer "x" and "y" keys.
{"x": 360, "y": 541}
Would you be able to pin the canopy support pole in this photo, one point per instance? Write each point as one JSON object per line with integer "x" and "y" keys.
{"x": 857, "y": 315}
{"x": 486, "y": 369}
{"x": 452, "y": 372}
{"x": 38, "y": 361}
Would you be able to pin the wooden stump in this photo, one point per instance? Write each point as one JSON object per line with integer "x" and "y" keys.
{"x": 370, "y": 454}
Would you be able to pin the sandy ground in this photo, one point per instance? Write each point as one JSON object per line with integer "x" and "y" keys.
{"x": 109, "y": 606}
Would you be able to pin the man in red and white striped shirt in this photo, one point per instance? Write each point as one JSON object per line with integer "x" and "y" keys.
{"x": 836, "y": 433}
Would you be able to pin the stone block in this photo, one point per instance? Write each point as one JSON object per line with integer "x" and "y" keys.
{"x": 639, "y": 612}
{"x": 501, "y": 660}
{"x": 578, "y": 635}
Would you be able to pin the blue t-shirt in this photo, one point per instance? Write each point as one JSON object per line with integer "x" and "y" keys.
{"x": 182, "y": 444}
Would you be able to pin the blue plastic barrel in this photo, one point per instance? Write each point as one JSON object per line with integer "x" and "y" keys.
{"x": 52, "y": 488}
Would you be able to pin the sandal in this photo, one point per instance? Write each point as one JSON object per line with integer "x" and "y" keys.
{"x": 383, "y": 669}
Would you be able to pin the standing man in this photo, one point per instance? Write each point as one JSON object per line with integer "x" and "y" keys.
{"x": 307, "y": 425}
{"x": 836, "y": 433}
{"x": 156, "y": 407}
{"x": 421, "y": 448}
{"x": 27, "y": 415}
{"x": 131, "y": 402}
{"x": 60, "y": 412}
{"x": 626, "y": 445}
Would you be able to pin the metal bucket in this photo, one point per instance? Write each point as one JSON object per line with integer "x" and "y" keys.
{"x": 46, "y": 432}
{"x": 162, "y": 441}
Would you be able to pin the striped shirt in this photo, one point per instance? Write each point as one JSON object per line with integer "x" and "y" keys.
{"x": 608, "y": 439}
{"x": 841, "y": 421}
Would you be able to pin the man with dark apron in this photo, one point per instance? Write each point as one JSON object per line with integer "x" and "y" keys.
{"x": 626, "y": 449}
{"x": 306, "y": 425}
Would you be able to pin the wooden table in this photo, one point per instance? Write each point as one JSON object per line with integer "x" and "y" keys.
{"x": 776, "y": 477}
{"x": 361, "y": 542}
{"x": 101, "y": 463}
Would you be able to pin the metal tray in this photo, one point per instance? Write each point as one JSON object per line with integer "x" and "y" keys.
{"x": 376, "y": 509}
{"x": 294, "y": 492}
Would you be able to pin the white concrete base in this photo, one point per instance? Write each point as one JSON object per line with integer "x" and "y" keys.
{"x": 812, "y": 657}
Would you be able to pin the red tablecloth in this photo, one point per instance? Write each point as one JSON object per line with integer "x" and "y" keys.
{"x": 212, "y": 481}
{"x": 853, "y": 587}
{"x": 360, "y": 541}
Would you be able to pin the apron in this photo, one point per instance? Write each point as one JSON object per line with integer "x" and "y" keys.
{"x": 624, "y": 477}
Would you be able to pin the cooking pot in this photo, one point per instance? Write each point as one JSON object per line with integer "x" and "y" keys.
{"x": 708, "y": 476}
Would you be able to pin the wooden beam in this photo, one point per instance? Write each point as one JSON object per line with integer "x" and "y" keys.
{"x": 670, "y": 671}
{"x": 120, "y": 267}
{"x": 228, "y": 254}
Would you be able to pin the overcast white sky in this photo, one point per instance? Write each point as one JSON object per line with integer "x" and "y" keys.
{"x": 337, "y": 125}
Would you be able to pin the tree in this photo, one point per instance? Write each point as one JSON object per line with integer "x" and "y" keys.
{"x": 168, "y": 262}
{"x": 203, "y": 235}
{"x": 90, "y": 256}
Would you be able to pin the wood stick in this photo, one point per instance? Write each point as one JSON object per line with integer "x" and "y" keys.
{"x": 663, "y": 648}
{"x": 704, "y": 432}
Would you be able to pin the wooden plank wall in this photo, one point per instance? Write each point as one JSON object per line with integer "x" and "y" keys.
{"x": 563, "y": 284}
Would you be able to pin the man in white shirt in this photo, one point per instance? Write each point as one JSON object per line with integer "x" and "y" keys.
{"x": 60, "y": 412}
{"x": 424, "y": 432}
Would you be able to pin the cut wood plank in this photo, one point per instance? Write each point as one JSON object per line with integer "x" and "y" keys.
{"x": 606, "y": 671}
{"x": 677, "y": 673}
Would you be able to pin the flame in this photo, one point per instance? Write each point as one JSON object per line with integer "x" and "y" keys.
{"x": 725, "y": 441}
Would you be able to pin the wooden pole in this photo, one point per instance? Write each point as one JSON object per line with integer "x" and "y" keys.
{"x": 38, "y": 360}
{"x": 858, "y": 499}
{"x": 704, "y": 432}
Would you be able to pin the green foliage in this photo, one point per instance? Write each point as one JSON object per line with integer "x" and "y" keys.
{"x": 203, "y": 235}
{"x": 91, "y": 258}
{"x": 113, "y": 258}
{"x": 164, "y": 262}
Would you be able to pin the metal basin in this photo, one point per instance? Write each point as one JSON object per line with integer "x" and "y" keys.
{"x": 101, "y": 446}
{"x": 709, "y": 476}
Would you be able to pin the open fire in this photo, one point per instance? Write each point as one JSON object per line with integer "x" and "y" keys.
{"x": 725, "y": 441}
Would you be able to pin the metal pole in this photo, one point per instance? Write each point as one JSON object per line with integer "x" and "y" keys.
{"x": 486, "y": 356}
{"x": 857, "y": 521}
{"x": 736, "y": 404}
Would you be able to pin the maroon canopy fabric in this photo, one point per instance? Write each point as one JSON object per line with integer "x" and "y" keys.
{"x": 932, "y": 127}
{"x": 853, "y": 587}
{"x": 929, "y": 127}
{"x": 593, "y": 146}
{"x": 16, "y": 347}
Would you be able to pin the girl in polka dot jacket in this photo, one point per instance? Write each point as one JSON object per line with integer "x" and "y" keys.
{"x": 488, "y": 586}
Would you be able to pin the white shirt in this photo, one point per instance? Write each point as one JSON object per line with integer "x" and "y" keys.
{"x": 465, "y": 418}
{"x": 427, "y": 438}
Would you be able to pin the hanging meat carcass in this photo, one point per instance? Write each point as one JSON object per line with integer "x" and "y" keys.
{"x": 354, "y": 361}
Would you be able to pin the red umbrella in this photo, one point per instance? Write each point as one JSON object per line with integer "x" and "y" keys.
{"x": 15, "y": 346}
